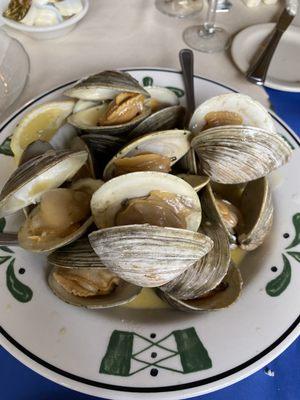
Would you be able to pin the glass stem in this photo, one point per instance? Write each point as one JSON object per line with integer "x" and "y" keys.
{"x": 209, "y": 24}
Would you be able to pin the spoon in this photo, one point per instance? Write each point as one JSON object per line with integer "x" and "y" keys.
{"x": 186, "y": 58}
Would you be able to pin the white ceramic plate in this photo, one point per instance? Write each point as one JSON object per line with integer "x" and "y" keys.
{"x": 124, "y": 352}
{"x": 284, "y": 73}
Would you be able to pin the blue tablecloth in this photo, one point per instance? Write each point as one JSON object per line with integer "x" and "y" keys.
{"x": 17, "y": 382}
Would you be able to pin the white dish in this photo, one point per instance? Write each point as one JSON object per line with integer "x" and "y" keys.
{"x": 47, "y": 32}
{"x": 284, "y": 71}
{"x": 184, "y": 354}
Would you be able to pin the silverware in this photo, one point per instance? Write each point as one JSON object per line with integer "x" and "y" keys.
{"x": 9, "y": 239}
{"x": 257, "y": 72}
{"x": 224, "y": 6}
{"x": 186, "y": 58}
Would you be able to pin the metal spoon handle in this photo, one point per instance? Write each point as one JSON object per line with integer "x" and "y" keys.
{"x": 9, "y": 239}
{"x": 186, "y": 58}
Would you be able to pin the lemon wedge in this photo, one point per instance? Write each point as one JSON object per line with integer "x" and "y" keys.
{"x": 41, "y": 123}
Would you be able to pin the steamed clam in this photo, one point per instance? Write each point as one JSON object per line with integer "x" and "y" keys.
{"x": 235, "y": 140}
{"x": 62, "y": 216}
{"x": 79, "y": 278}
{"x": 123, "y": 105}
{"x": 221, "y": 297}
{"x": 245, "y": 212}
{"x": 156, "y": 151}
{"x": 150, "y": 237}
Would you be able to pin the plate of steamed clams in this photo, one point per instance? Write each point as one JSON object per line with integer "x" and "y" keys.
{"x": 153, "y": 255}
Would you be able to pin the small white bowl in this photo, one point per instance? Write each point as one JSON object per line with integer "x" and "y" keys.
{"x": 47, "y": 32}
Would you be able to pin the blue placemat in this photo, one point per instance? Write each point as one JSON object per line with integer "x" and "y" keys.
{"x": 280, "y": 380}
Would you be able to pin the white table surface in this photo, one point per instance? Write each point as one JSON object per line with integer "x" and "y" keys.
{"x": 132, "y": 33}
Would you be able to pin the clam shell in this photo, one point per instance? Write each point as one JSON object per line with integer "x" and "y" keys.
{"x": 196, "y": 181}
{"x": 39, "y": 246}
{"x": 257, "y": 209}
{"x": 219, "y": 300}
{"x": 237, "y": 154}
{"x": 173, "y": 144}
{"x": 105, "y": 86}
{"x": 35, "y": 149}
{"x": 87, "y": 120}
{"x": 25, "y": 186}
{"x": 252, "y": 112}
{"x": 206, "y": 273}
{"x": 188, "y": 163}
{"x": 88, "y": 169}
{"x": 147, "y": 255}
{"x": 211, "y": 210}
{"x": 123, "y": 294}
{"x": 107, "y": 200}
{"x": 164, "y": 96}
{"x": 78, "y": 254}
{"x": 162, "y": 120}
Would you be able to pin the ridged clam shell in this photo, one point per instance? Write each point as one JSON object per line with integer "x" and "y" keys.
{"x": 32, "y": 170}
{"x": 87, "y": 170}
{"x": 206, "y": 273}
{"x": 221, "y": 299}
{"x": 162, "y": 120}
{"x": 257, "y": 209}
{"x": 237, "y": 154}
{"x": 105, "y": 86}
{"x": 123, "y": 294}
{"x": 211, "y": 210}
{"x": 107, "y": 200}
{"x": 189, "y": 162}
{"x": 87, "y": 120}
{"x": 78, "y": 254}
{"x": 147, "y": 255}
{"x": 172, "y": 143}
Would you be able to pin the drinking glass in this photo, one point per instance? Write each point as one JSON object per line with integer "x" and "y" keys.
{"x": 14, "y": 70}
{"x": 179, "y": 8}
{"x": 207, "y": 37}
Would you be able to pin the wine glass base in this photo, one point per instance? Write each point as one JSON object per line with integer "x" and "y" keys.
{"x": 198, "y": 39}
{"x": 180, "y": 8}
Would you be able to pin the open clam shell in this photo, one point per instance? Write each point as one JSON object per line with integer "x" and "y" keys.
{"x": 162, "y": 120}
{"x": 147, "y": 255}
{"x": 257, "y": 210}
{"x": 196, "y": 181}
{"x": 208, "y": 272}
{"x": 210, "y": 209}
{"x": 41, "y": 243}
{"x": 242, "y": 108}
{"x": 79, "y": 257}
{"x": 105, "y": 86}
{"x": 237, "y": 154}
{"x": 123, "y": 294}
{"x": 172, "y": 144}
{"x": 222, "y": 297}
{"x": 107, "y": 200}
{"x": 88, "y": 169}
{"x": 87, "y": 121}
{"x": 189, "y": 162}
{"x": 38, "y": 175}
{"x": 161, "y": 97}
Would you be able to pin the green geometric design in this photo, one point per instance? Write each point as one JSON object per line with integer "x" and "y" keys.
{"x": 279, "y": 284}
{"x": 17, "y": 289}
{"x": 119, "y": 354}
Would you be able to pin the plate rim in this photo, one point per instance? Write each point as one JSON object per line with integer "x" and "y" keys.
{"x": 172, "y": 391}
{"x": 235, "y": 55}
